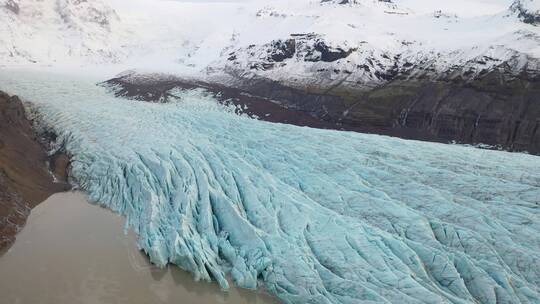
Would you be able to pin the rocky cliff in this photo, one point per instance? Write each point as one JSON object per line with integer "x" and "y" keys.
{"x": 25, "y": 176}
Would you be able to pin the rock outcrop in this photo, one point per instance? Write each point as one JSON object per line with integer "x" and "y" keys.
{"x": 308, "y": 48}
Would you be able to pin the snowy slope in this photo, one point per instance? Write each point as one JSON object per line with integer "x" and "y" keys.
{"x": 314, "y": 216}
{"x": 59, "y": 32}
{"x": 369, "y": 41}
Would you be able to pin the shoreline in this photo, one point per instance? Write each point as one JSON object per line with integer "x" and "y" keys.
{"x": 28, "y": 175}
{"x": 85, "y": 249}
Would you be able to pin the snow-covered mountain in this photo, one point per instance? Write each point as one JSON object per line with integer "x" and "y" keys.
{"x": 59, "y": 31}
{"x": 368, "y": 41}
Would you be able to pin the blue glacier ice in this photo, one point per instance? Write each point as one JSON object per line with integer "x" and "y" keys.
{"x": 313, "y": 216}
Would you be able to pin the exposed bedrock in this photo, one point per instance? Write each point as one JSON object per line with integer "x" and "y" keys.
{"x": 302, "y": 47}
{"x": 25, "y": 176}
{"x": 486, "y": 111}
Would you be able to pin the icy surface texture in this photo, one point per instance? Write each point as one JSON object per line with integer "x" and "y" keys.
{"x": 314, "y": 216}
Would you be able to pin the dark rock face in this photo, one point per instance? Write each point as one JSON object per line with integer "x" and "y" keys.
{"x": 323, "y": 52}
{"x": 144, "y": 90}
{"x": 507, "y": 117}
{"x": 302, "y": 47}
{"x": 282, "y": 50}
{"x": 25, "y": 180}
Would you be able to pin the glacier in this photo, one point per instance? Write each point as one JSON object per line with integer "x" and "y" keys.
{"x": 313, "y": 216}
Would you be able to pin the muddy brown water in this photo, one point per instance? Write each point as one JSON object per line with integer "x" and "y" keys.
{"x": 73, "y": 252}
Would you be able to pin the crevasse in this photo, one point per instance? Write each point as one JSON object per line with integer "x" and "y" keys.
{"x": 314, "y": 216}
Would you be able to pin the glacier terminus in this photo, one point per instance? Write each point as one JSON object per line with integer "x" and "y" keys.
{"x": 312, "y": 216}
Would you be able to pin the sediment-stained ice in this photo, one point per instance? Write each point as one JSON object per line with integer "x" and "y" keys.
{"x": 314, "y": 216}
